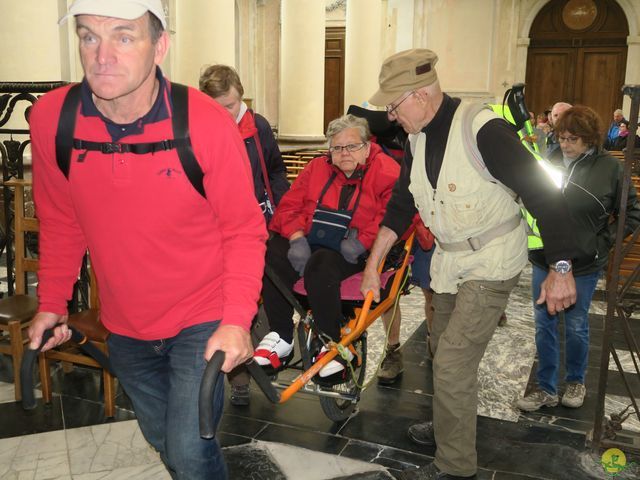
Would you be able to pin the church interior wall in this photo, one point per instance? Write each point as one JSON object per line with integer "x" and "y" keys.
{"x": 482, "y": 45}
{"x": 29, "y": 42}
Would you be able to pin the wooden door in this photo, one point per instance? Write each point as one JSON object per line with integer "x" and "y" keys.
{"x": 550, "y": 77}
{"x": 577, "y": 54}
{"x": 601, "y": 70}
{"x": 334, "y": 74}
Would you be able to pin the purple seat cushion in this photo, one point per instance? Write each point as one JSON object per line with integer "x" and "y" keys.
{"x": 350, "y": 287}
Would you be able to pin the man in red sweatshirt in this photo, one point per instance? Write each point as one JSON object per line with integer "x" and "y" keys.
{"x": 179, "y": 270}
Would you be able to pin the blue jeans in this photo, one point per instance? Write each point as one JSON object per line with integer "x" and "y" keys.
{"x": 576, "y": 332}
{"x": 162, "y": 379}
{"x": 420, "y": 266}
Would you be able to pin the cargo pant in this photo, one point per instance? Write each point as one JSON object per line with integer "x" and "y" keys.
{"x": 463, "y": 324}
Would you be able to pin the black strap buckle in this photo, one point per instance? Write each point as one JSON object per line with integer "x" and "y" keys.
{"x": 165, "y": 145}
{"x": 109, "y": 147}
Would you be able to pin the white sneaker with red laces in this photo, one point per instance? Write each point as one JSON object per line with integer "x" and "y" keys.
{"x": 334, "y": 366}
{"x": 272, "y": 350}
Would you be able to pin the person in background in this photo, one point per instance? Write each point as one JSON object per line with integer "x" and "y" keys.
{"x": 222, "y": 83}
{"x": 552, "y": 143}
{"x": 614, "y": 126}
{"x": 537, "y": 138}
{"x": 591, "y": 185}
{"x": 179, "y": 263}
{"x": 620, "y": 142}
{"x": 392, "y": 365}
{"x": 542, "y": 118}
{"x": 322, "y": 231}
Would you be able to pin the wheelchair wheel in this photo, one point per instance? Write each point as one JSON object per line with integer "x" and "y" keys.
{"x": 337, "y": 409}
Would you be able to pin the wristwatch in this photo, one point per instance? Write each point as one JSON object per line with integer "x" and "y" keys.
{"x": 561, "y": 266}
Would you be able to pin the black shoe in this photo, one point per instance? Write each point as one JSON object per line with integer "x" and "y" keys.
{"x": 239, "y": 395}
{"x": 422, "y": 433}
{"x": 430, "y": 472}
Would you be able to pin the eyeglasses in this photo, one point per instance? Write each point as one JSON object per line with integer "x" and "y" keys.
{"x": 352, "y": 147}
{"x": 570, "y": 140}
{"x": 391, "y": 109}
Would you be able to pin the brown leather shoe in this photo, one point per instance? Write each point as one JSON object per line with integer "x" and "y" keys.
{"x": 392, "y": 365}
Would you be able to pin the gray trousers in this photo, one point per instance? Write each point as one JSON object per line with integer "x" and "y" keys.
{"x": 463, "y": 324}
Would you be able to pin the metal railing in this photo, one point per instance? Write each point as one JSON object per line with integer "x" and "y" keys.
{"x": 14, "y": 140}
{"x": 620, "y": 307}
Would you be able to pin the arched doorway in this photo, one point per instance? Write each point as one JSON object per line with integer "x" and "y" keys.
{"x": 577, "y": 54}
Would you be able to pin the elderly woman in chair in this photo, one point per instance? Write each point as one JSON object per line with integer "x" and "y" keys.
{"x": 323, "y": 229}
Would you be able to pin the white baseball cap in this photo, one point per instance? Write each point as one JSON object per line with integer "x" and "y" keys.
{"x": 126, "y": 9}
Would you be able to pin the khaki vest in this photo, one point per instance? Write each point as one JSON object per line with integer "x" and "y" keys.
{"x": 465, "y": 205}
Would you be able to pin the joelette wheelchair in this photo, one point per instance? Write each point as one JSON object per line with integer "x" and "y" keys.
{"x": 338, "y": 394}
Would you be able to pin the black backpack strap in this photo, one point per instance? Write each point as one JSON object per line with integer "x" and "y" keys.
{"x": 66, "y": 127}
{"x": 180, "y": 123}
{"x": 135, "y": 148}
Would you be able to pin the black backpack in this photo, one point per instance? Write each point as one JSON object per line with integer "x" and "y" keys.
{"x": 65, "y": 141}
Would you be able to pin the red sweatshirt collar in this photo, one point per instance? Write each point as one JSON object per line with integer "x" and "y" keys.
{"x": 247, "y": 125}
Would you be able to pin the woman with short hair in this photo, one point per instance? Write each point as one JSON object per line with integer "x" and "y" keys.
{"x": 322, "y": 231}
{"x": 592, "y": 185}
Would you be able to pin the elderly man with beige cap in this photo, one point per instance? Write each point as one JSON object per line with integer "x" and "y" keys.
{"x": 136, "y": 169}
{"x": 481, "y": 243}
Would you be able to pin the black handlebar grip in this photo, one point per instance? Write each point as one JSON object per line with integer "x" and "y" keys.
{"x": 26, "y": 372}
{"x": 29, "y": 358}
{"x": 207, "y": 394}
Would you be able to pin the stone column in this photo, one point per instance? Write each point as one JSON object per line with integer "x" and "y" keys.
{"x": 632, "y": 75}
{"x": 363, "y": 47}
{"x": 522, "y": 50}
{"x": 302, "y": 70}
{"x": 205, "y": 34}
{"x": 266, "y": 64}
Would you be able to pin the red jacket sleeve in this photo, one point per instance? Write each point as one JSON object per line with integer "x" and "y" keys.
{"x": 385, "y": 173}
{"x": 62, "y": 243}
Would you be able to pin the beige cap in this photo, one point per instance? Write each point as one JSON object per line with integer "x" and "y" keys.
{"x": 126, "y": 9}
{"x": 403, "y": 72}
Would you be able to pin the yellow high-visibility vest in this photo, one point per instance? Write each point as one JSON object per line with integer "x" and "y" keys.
{"x": 534, "y": 240}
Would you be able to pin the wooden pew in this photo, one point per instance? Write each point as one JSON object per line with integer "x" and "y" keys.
{"x": 297, "y": 160}
{"x": 632, "y": 258}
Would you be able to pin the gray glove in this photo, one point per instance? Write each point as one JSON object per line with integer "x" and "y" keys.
{"x": 351, "y": 248}
{"x": 298, "y": 254}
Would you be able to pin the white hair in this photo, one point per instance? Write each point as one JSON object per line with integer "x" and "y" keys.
{"x": 349, "y": 121}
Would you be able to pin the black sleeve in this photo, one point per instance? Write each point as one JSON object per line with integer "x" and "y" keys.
{"x": 512, "y": 164}
{"x": 276, "y": 168}
{"x": 401, "y": 207}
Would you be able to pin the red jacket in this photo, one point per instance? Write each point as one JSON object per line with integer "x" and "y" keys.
{"x": 165, "y": 257}
{"x": 295, "y": 211}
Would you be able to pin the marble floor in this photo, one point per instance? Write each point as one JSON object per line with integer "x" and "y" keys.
{"x": 118, "y": 451}
{"x": 70, "y": 439}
